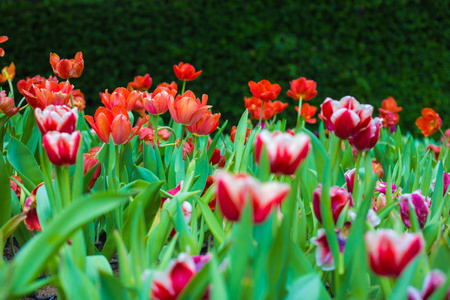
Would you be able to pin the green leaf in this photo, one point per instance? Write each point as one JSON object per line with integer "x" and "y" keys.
{"x": 309, "y": 287}
{"x": 10, "y": 226}
{"x": 239, "y": 140}
{"x": 5, "y": 187}
{"x": 211, "y": 220}
{"x": 400, "y": 289}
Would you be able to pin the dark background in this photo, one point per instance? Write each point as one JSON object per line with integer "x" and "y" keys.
{"x": 369, "y": 50}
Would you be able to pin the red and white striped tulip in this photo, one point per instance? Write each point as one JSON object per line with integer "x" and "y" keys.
{"x": 29, "y": 207}
{"x": 365, "y": 139}
{"x": 56, "y": 118}
{"x": 340, "y": 197}
{"x": 324, "y": 257}
{"x": 61, "y": 147}
{"x": 233, "y": 192}
{"x": 285, "y": 151}
{"x": 420, "y": 204}
{"x": 433, "y": 281}
{"x": 390, "y": 252}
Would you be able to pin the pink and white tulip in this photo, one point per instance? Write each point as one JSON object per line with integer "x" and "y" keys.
{"x": 433, "y": 281}
{"x": 324, "y": 257}
{"x": 56, "y": 118}
{"x": 285, "y": 151}
{"x": 62, "y": 147}
{"x": 420, "y": 204}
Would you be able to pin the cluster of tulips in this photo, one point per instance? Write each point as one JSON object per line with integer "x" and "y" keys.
{"x": 353, "y": 210}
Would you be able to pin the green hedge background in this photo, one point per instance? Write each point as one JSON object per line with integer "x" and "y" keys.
{"x": 369, "y": 50}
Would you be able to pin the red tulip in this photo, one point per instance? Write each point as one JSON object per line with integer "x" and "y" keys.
{"x": 121, "y": 96}
{"x": 26, "y": 87}
{"x": 48, "y": 92}
{"x": 436, "y": 150}
{"x": 8, "y": 73}
{"x": 324, "y": 257}
{"x": 7, "y": 105}
{"x": 67, "y": 68}
{"x": 302, "y": 88}
{"x": 366, "y": 138}
{"x": 390, "y": 252}
{"x": 141, "y": 83}
{"x": 3, "y": 39}
{"x": 264, "y": 90}
{"x": 157, "y": 103}
{"x": 308, "y": 111}
{"x": 206, "y": 125}
{"x": 420, "y": 204}
{"x": 339, "y": 199}
{"x": 433, "y": 281}
{"x": 56, "y": 118}
{"x": 29, "y": 207}
{"x": 115, "y": 123}
{"x": 217, "y": 159}
{"x": 233, "y": 134}
{"x": 345, "y": 117}
{"x": 429, "y": 122}
{"x": 15, "y": 187}
{"x": 285, "y": 151}
{"x": 188, "y": 110}
{"x": 233, "y": 191}
{"x": 186, "y": 72}
{"x": 62, "y": 147}
{"x": 89, "y": 162}
{"x": 270, "y": 109}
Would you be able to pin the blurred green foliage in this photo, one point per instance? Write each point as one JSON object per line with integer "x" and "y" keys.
{"x": 369, "y": 50}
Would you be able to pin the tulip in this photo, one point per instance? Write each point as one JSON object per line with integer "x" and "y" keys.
{"x": 2, "y": 40}
{"x": 324, "y": 257}
{"x": 285, "y": 151}
{"x": 188, "y": 110}
{"x": 121, "y": 96}
{"x": 61, "y": 147}
{"x": 89, "y": 162}
{"x": 48, "y": 92}
{"x": 365, "y": 139}
{"x": 429, "y": 122}
{"x": 377, "y": 168}
{"x": 26, "y": 87}
{"x": 7, "y": 105}
{"x": 433, "y": 281}
{"x": 15, "y": 187}
{"x": 270, "y": 109}
{"x": 141, "y": 83}
{"x": 206, "y": 125}
{"x": 186, "y": 207}
{"x": 381, "y": 187}
{"x": 302, "y": 88}
{"x": 115, "y": 123}
{"x": 8, "y": 73}
{"x": 308, "y": 111}
{"x": 67, "y": 68}
{"x": 390, "y": 252}
{"x": 380, "y": 202}
{"x": 233, "y": 134}
{"x": 217, "y": 159}
{"x": 56, "y": 118}
{"x": 264, "y": 90}
{"x": 420, "y": 204}
{"x": 29, "y": 207}
{"x": 186, "y": 72}
{"x": 350, "y": 179}
{"x": 169, "y": 284}
{"x": 339, "y": 199}
{"x": 171, "y": 88}
{"x": 389, "y": 118}
{"x": 210, "y": 180}
{"x": 157, "y": 103}
{"x": 147, "y": 135}
{"x": 233, "y": 192}
{"x": 78, "y": 100}
{"x": 436, "y": 150}
{"x": 345, "y": 117}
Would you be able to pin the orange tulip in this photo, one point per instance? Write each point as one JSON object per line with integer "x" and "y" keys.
{"x": 207, "y": 124}
{"x": 186, "y": 72}
{"x": 389, "y": 112}
{"x": 270, "y": 109}
{"x": 2, "y": 40}
{"x": 233, "y": 134}
{"x": 429, "y": 123}
{"x": 121, "y": 96}
{"x": 390, "y": 104}
{"x": 306, "y": 89}
{"x": 141, "y": 83}
{"x": 157, "y": 103}
{"x": 186, "y": 109}
{"x": 115, "y": 122}
{"x": 308, "y": 111}
{"x": 171, "y": 87}
{"x": 264, "y": 90}
{"x": 67, "y": 68}
{"x": 27, "y": 84}
{"x": 7, "y": 105}
{"x": 8, "y": 73}
{"x": 78, "y": 100}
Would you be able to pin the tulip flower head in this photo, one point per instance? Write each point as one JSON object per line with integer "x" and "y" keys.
{"x": 67, "y": 68}
{"x": 271, "y": 108}
{"x": 186, "y": 109}
{"x": 186, "y": 72}
{"x": 339, "y": 199}
{"x": 47, "y": 92}
{"x": 390, "y": 252}
{"x": 78, "y": 100}
{"x": 420, "y": 204}
{"x": 8, "y": 73}
{"x": 233, "y": 134}
{"x": 89, "y": 162}
{"x": 324, "y": 257}
{"x": 29, "y": 207}
{"x": 15, "y": 187}
{"x": 285, "y": 151}
{"x": 172, "y": 87}
{"x": 26, "y": 87}
{"x": 308, "y": 111}
{"x": 302, "y": 88}
{"x": 436, "y": 150}
{"x": 140, "y": 83}
{"x": 233, "y": 192}
{"x": 366, "y": 139}
{"x": 121, "y": 96}
{"x": 433, "y": 281}
{"x": 350, "y": 179}
{"x": 2, "y": 40}
{"x": 61, "y": 147}
{"x": 157, "y": 103}
{"x": 56, "y": 118}
{"x": 7, "y": 105}
{"x": 264, "y": 90}
{"x": 206, "y": 125}
{"x": 429, "y": 122}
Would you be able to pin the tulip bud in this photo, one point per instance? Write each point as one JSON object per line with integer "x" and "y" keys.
{"x": 158, "y": 102}
{"x": 29, "y": 207}
{"x": 186, "y": 72}
{"x": 380, "y": 202}
{"x": 324, "y": 257}
{"x": 350, "y": 179}
{"x": 339, "y": 199}
{"x": 366, "y": 138}
{"x": 206, "y": 125}
{"x": 381, "y": 187}
{"x": 62, "y": 147}
{"x": 264, "y": 90}
{"x": 56, "y": 118}
{"x": 390, "y": 252}
{"x": 7, "y": 105}
{"x": 89, "y": 162}
{"x": 420, "y": 205}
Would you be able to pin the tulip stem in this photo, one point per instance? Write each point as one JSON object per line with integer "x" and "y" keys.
{"x": 195, "y": 146}
{"x": 183, "y": 130}
{"x": 117, "y": 165}
{"x": 27, "y": 192}
{"x": 260, "y": 114}
{"x": 11, "y": 87}
{"x": 355, "y": 180}
{"x": 156, "y": 131}
{"x": 22, "y": 108}
{"x": 63, "y": 183}
{"x": 184, "y": 86}
{"x": 335, "y": 161}
{"x": 20, "y": 102}
{"x": 385, "y": 286}
{"x": 299, "y": 115}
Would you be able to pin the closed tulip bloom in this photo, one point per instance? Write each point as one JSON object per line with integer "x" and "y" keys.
{"x": 285, "y": 151}
{"x": 366, "y": 139}
{"x": 324, "y": 257}
{"x": 302, "y": 88}
{"x": 29, "y": 207}
{"x": 429, "y": 122}
{"x": 61, "y": 147}
{"x": 420, "y": 204}
{"x": 350, "y": 179}
{"x": 186, "y": 72}
{"x": 379, "y": 203}
{"x": 89, "y": 162}
{"x": 140, "y": 83}
{"x": 339, "y": 199}
{"x": 433, "y": 281}
{"x": 186, "y": 109}
{"x": 7, "y": 105}
{"x": 3, "y": 39}
{"x": 206, "y": 125}
{"x": 121, "y": 96}
{"x": 390, "y": 252}
{"x": 157, "y": 103}
{"x": 56, "y": 118}
{"x": 115, "y": 123}
{"x": 67, "y": 68}
{"x": 8, "y": 73}
{"x": 264, "y": 90}
{"x": 232, "y": 192}
{"x": 345, "y": 117}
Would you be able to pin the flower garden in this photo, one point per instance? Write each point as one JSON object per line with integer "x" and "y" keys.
{"x": 156, "y": 196}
